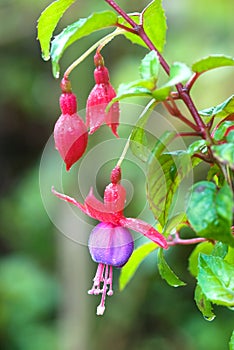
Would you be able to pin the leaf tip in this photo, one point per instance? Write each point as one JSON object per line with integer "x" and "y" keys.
{"x": 55, "y": 70}
{"x": 45, "y": 56}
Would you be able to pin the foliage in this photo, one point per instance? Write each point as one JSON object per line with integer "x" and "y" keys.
{"x": 209, "y": 204}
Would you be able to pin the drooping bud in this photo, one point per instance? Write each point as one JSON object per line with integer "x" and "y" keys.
{"x": 70, "y": 132}
{"x": 111, "y": 245}
{"x": 71, "y": 138}
{"x": 99, "y": 98}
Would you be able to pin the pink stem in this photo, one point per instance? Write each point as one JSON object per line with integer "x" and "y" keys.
{"x": 191, "y": 81}
{"x": 121, "y": 12}
{"x": 182, "y": 134}
{"x": 178, "y": 240}
{"x": 122, "y": 26}
{"x": 174, "y": 111}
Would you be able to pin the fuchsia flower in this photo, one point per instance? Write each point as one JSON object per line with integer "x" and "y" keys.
{"x": 111, "y": 243}
{"x": 99, "y": 98}
{"x": 70, "y": 132}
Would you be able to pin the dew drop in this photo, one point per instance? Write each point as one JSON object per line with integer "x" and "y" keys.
{"x": 45, "y": 57}
{"x": 209, "y": 318}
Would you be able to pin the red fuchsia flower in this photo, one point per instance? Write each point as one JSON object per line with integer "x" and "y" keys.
{"x": 111, "y": 243}
{"x": 99, "y": 98}
{"x": 70, "y": 132}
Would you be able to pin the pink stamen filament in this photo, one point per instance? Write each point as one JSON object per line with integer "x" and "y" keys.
{"x": 103, "y": 275}
{"x": 97, "y": 280}
{"x": 110, "y": 291}
{"x": 101, "y": 307}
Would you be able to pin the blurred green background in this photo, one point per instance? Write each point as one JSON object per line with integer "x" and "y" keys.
{"x": 44, "y": 276}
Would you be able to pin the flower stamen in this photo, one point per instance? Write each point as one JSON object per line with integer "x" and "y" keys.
{"x": 104, "y": 276}
{"x": 97, "y": 280}
{"x": 110, "y": 291}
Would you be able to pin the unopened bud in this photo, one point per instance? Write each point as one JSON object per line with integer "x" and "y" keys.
{"x": 71, "y": 138}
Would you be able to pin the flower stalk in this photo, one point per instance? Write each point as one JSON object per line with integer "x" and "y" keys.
{"x": 99, "y": 44}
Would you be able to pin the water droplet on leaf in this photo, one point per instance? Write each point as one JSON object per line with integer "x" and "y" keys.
{"x": 45, "y": 57}
{"x": 209, "y": 318}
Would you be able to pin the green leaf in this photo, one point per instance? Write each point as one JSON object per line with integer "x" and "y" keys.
{"x": 179, "y": 72}
{"x": 144, "y": 84}
{"x": 204, "y": 247}
{"x": 211, "y": 62}
{"x": 139, "y": 254}
{"x": 139, "y": 143}
{"x": 154, "y": 24}
{"x": 209, "y": 211}
{"x": 231, "y": 343}
{"x": 166, "y": 273}
{"x": 140, "y": 146}
{"x": 78, "y": 30}
{"x": 224, "y": 203}
{"x": 230, "y": 256}
{"x": 215, "y": 278}
{"x": 220, "y": 249}
{"x": 164, "y": 174}
{"x": 149, "y": 71}
{"x": 150, "y": 66}
{"x": 173, "y": 223}
{"x": 130, "y": 90}
{"x": 222, "y": 110}
{"x": 221, "y": 130}
{"x": 161, "y": 93}
{"x": 230, "y": 135}
{"x": 224, "y": 153}
{"x": 215, "y": 174}
{"x": 198, "y": 146}
{"x": 134, "y": 38}
{"x": 203, "y": 304}
{"x": 48, "y": 22}
{"x": 162, "y": 143}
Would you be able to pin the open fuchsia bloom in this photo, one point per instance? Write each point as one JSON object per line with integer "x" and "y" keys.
{"x": 70, "y": 132}
{"x": 110, "y": 242}
{"x": 98, "y": 99}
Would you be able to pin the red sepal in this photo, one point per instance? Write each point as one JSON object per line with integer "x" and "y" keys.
{"x": 145, "y": 229}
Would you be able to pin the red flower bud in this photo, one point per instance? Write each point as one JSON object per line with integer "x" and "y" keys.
{"x": 71, "y": 138}
{"x": 99, "y": 98}
{"x": 70, "y": 132}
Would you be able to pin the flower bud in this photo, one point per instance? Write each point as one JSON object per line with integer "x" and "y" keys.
{"x": 71, "y": 138}
{"x": 99, "y": 98}
{"x": 70, "y": 132}
{"x": 111, "y": 245}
